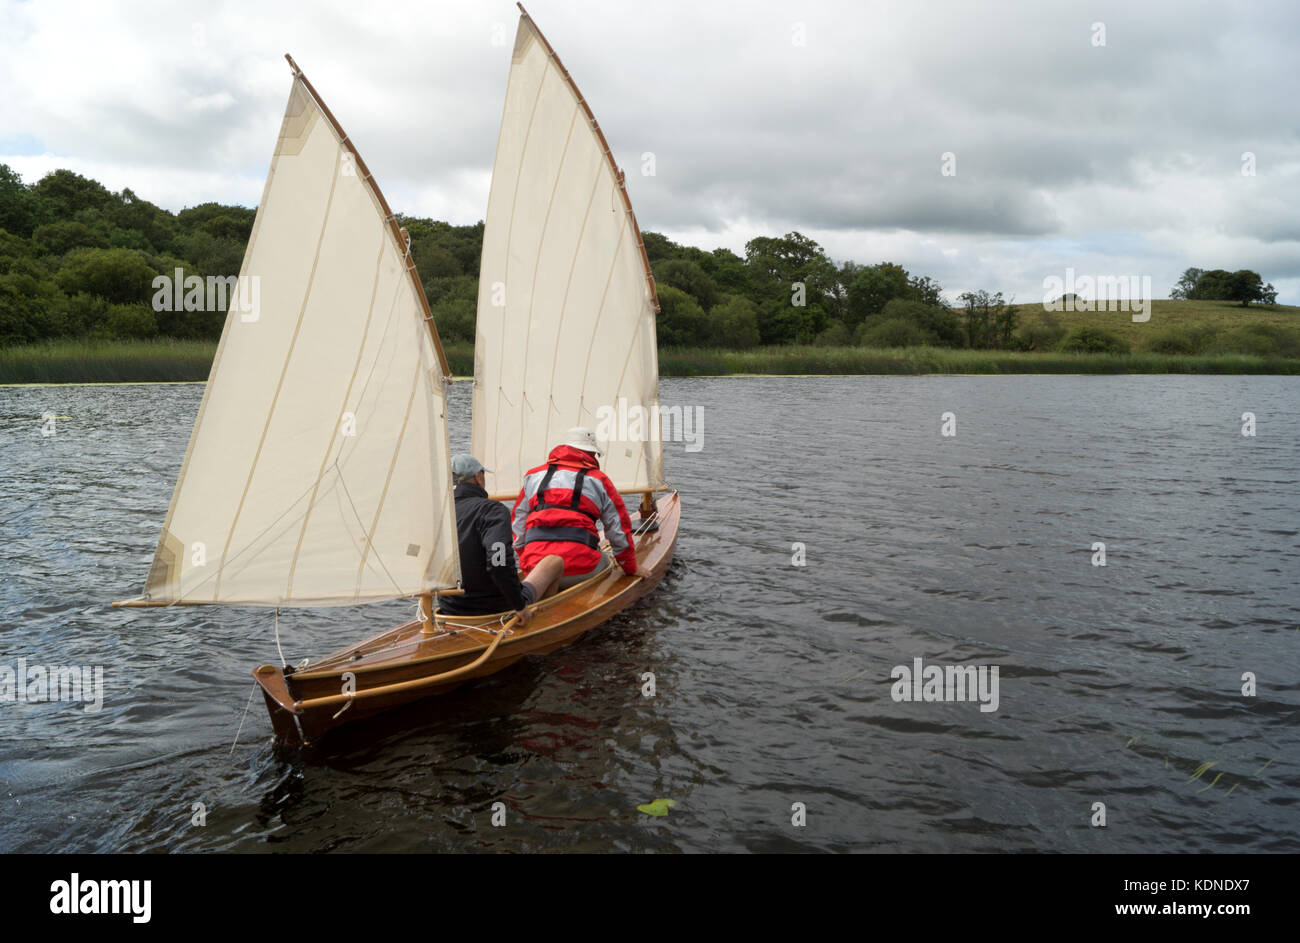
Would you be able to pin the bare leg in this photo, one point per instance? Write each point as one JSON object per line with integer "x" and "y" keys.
{"x": 546, "y": 574}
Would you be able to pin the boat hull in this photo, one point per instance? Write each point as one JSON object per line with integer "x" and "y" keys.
{"x": 417, "y": 660}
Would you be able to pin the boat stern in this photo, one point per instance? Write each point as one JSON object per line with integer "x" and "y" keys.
{"x": 280, "y": 704}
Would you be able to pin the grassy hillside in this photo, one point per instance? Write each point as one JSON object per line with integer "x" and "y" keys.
{"x": 1191, "y": 319}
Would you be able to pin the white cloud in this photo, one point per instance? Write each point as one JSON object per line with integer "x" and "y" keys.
{"x": 1126, "y": 155}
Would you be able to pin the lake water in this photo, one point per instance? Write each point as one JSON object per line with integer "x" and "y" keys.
{"x": 1119, "y": 684}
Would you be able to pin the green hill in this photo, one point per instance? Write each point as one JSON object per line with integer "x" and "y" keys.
{"x": 1180, "y": 327}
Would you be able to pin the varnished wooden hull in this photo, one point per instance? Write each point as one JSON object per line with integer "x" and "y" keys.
{"x": 413, "y": 654}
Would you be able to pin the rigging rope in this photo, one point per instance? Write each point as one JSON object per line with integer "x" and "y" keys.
{"x": 245, "y": 717}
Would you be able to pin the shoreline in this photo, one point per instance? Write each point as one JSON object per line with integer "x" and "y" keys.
{"x": 173, "y": 362}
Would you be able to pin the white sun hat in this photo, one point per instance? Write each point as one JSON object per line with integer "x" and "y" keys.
{"x": 580, "y": 437}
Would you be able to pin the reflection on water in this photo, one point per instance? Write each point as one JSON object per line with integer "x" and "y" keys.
{"x": 1118, "y": 684}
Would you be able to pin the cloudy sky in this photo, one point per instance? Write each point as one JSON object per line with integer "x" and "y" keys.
{"x": 1107, "y": 137}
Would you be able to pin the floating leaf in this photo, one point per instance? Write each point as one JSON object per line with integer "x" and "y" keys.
{"x": 1202, "y": 769}
{"x": 658, "y": 807}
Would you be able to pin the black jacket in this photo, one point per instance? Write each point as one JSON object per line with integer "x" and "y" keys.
{"x": 483, "y": 528}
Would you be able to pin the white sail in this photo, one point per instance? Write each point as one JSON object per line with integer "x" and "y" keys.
{"x": 566, "y": 305}
{"x": 318, "y": 469}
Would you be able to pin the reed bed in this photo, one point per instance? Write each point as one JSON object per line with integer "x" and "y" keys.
{"x": 175, "y": 360}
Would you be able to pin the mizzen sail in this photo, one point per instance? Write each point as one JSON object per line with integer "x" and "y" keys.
{"x": 318, "y": 469}
{"x": 566, "y": 305}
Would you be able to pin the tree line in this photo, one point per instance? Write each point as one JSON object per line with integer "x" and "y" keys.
{"x": 77, "y": 260}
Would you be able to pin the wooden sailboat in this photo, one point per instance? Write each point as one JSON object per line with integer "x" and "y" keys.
{"x": 318, "y": 471}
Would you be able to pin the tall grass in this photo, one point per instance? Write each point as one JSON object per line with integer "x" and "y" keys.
{"x": 460, "y": 357}
{"x": 171, "y": 360}
{"x": 107, "y": 361}
{"x": 922, "y": 360}
{"x": 166, "y": 360}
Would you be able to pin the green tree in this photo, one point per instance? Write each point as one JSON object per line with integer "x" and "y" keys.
{"x": 1247, "y": 286}
{"x": 127, "y": 322}
{"x": 30, "y": 304}
{"x": 728, "y": 272}
{"x": 987, "y": 320}
{"x": 733, "y": 323}
{"x": 925, "y": 290}
{"x": 681, "y": 321}
{"x": 658, "y": 246}
{"x": 67, "y": 192}
{"x": 874, "y": 287}
{"x": 689, "y": 277}
{"x": 12, "y": 247}
{"x": 1242, "y": 286}
{"x": 59, "y": 238}
{"x": 938, "y": 325}
{"x": 209, "y": 254}
{"x": 784, "y": 273}
{"x": 434, "y": 261}
{"x": 455, "y": 319}
{"x": 447, "y": 288}
{"x": 155, "y": 226}
{"x": 441, "y": 249}
{"x": 1186, "y": 286}
{"x": 121, "y": 276}
{"x": 228, "y": 226}
{"x": 1214, "y": 285}
{"x": 20, "y": 209}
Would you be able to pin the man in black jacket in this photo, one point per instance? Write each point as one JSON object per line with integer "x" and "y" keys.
{"x": 487, "y": 558}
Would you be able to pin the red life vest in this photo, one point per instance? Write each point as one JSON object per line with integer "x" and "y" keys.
{"x": 558, "y": 510}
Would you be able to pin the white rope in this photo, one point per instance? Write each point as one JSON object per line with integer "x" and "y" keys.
{"x": 245, "y": 717}
{"x": 283, "y": 662}
{"x": 644, "y": 523}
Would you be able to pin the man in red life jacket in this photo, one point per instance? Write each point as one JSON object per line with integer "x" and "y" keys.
{"x": 560, "y": 504}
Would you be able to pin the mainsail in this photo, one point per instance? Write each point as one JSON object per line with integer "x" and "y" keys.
{"x": 566, "y": 304}
{"x": 318, "y": 469}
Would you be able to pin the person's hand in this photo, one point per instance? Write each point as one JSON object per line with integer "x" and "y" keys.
{"x": 525, "y": 616}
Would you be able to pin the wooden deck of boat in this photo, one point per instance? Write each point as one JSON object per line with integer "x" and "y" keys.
{"x": 582, "y": 604}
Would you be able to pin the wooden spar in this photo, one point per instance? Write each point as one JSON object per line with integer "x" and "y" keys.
{"x": 609, "y": 156}
{"x": 414, "y": 684}
{"x": 394, "y": 226}
{"x": 141, "y": 603}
